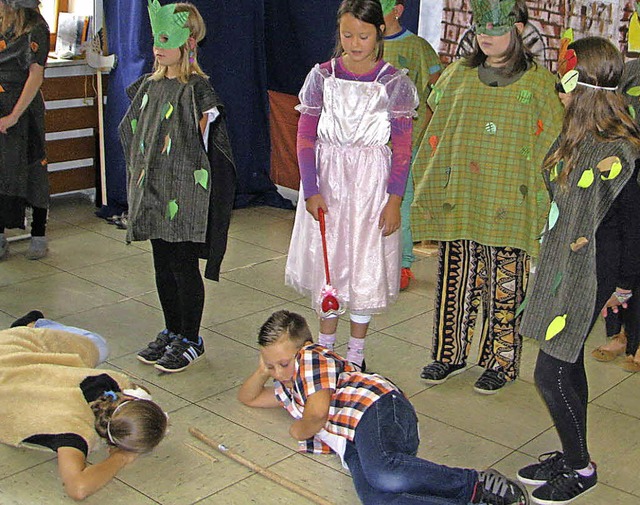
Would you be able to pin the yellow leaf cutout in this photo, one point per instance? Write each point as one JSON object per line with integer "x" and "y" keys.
{"x": 579, "y": 244}
{"x": 634, "y": 91}
{"x": 169, "y": 112}
{"x": 586, "y": 179}
{"x": 611, "y": 165}
{"x": 556, "y": 326}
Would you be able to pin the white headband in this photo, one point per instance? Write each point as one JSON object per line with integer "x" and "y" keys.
{"x": 112, "y": 439}
{"x": 587, "y": 85}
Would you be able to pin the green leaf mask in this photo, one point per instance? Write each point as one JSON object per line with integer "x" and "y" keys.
{"x": 493, "y": 17}
{"x": 168, "y": 27}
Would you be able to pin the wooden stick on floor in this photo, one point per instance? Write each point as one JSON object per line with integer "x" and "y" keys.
{"x": 272, "y": 476}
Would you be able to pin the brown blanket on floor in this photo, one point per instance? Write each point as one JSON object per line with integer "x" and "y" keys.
{"x": 40, "y": 375}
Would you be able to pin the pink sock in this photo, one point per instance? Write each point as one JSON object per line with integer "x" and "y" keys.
{"x": 327, "y": 340}
{"x": 355, "y": 350}
{"x": 587, "y": 471}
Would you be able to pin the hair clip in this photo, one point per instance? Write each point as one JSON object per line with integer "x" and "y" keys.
{"x": 111, "y": 395}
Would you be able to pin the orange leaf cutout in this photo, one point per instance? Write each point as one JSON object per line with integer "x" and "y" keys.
{"x": 433, "y": 142}
{"x": 43, "y": 162}
{"x": 3, "y": 45}
{"x": 579, "y": 244}
{"x": 540, "y": 127}
{"x": 474, "y": 167}
{"x": 34, "y": 46}
{"x": 1, "y": 89}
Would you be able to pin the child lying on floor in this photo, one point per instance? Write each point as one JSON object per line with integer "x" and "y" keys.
{"x": 364, "y": 418}
{"x": 53, "y": 397}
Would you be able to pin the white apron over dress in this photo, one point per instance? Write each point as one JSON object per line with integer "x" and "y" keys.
{"x": 353, "y": 165}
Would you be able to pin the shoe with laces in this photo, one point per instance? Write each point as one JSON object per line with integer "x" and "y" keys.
{"x": 564, "y": 488}
{"x": 549, "y": 465}
{"x": 438, "y": 372}
{"x": 493, "y": 488}
{"x": 180, "y": 353}
{"x": 406, "y": 275}
{"x": 38, "y": 248}
{"x": 490, "y": 382}
{"x": 156, "y": 349}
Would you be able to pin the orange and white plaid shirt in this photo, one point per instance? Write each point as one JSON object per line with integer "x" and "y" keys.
{"x": 317, "y": 368}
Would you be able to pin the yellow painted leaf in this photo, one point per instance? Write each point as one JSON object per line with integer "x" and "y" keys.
{"x": 606, "y": 164}
{"x": 169, "y": 112}
{"x": 556, "y": 326}
{"x": 586, "y": 179}
{"x": 568, "y": 34}
{"x": 616, "y": 168}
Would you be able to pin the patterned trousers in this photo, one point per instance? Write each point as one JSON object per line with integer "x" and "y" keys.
{"x": 471, "y": 275}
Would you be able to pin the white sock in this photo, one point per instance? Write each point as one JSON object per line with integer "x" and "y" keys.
{"x": 327, "y": 340}
{"x": 355, "y": 350}
{"x": 587, "y": 471}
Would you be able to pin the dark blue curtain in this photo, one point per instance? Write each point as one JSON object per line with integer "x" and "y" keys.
{"x": 233, "y": 54}
{"x": 301, "y": 33}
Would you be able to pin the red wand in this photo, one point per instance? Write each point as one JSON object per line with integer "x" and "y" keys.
{"x": 329, "y": 303}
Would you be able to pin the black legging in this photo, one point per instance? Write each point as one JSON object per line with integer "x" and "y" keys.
{"x": 38, "y": 223}
{"x": 180, "y": 286}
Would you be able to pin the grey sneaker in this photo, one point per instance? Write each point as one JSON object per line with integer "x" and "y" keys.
{"x": 38, "y": 248}
{"x": 4, "y": 246}
{"x": 156, "y": 349}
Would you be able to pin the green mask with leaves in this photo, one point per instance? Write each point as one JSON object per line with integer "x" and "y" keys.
{"x": 387, "y": 6}
{"x": 168, "y": 26}
{"x": 493, "y": 17}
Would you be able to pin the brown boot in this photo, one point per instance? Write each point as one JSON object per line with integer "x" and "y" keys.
{"x": 612, "y": 349}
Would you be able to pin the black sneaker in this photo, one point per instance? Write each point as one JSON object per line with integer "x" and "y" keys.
{"x": 550, "y": 464}
{"x": 30, "y": 317}
{"x": 438, "y": 372}
{"x": 490, "y": 382}
{"x": 180, "y": 354}
{"x": 156, "y": 349}
{"x": 564, "y": 488}
{"x": 493, "y": 488}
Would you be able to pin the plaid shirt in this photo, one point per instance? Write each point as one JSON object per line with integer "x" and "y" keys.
{"x": 317, "y": 368}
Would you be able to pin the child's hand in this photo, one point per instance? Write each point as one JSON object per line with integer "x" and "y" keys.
{"x": 7, "y": 122}
{"x": 314, "y": 203}
{"x": 619, "y": 299}
{"x": 390, "y": 217}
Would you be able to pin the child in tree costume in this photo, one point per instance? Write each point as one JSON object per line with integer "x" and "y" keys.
{"x": 181, "y": 180}
{"x": 480, "y": 193}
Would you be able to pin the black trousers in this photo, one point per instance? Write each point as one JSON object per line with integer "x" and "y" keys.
{"x": 38, "y": 223}
{"x": 563, "y": 385}
{"x": 180, "y": 286}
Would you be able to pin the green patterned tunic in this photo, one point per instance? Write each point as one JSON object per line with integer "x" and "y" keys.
{"x": 477, "y": 170}
{"x": 407, "y": 50}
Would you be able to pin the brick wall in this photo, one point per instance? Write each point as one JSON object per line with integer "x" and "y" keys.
{"x": 606, "y": 18}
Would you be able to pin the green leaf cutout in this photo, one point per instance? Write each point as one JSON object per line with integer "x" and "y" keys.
{"x": 134, "y": 125}
{"x": 202, "y": 177}
{"x": 635, "y": 91}
{"x": 172, "y": 209}
{"x": 167, "y": 110}
{"x": 522, "y": 306}
{"x": 557, "y": 280}
{"x": 145, "y": 100}
{"x": 586, "y": 179}
{"x": 632, "y": 111}
{"x": 554, "y": 213}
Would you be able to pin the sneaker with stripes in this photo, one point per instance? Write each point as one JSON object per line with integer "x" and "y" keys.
{"x": 180, "y": 353}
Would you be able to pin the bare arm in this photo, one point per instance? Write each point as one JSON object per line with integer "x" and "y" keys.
{"x": 254, "y": 393}
{"x": 80, "y": 480}
{"x": 314, "y": 417}
{"x": 30, "y": 90}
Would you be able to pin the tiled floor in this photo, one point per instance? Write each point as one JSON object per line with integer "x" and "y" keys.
{"x": 91, "y": 278}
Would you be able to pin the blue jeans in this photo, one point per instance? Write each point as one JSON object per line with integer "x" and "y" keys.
{"x": 384, "y": 466}
{"x": 100, "y": 343}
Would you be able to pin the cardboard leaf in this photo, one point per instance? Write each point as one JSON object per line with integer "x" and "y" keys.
{"x": 635, "y": 91}
{"x": 586, "y": 179}
{"x": 172, "y": 209}
{"x": 134, "y": 125}
{"x": 616, "y": 168}
{"x": 557, "y": 280}
{"x": 202, "y": 177}
{"x": 145, "y": 100}
{"x": 554, "y": 213}
{"x": 522, "y": 306}
{"x": 569, "y": 81}
{"x": 556, "y": 326}
{"x": 579, "y": 244}
{"x": 166, "y": 149}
